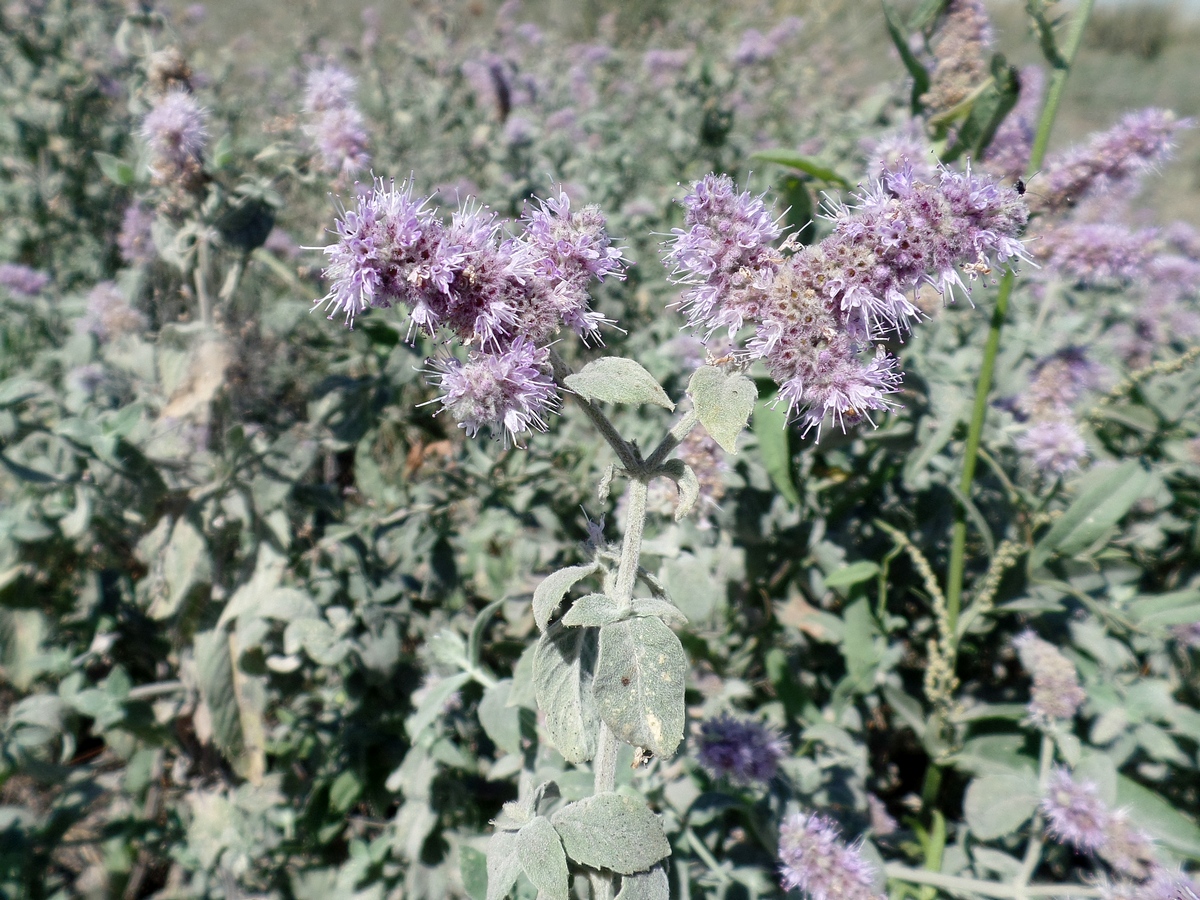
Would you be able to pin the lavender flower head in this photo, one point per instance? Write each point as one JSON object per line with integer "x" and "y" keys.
{"x": 1055, "y": 446}
{"x": 1056, "y": 692}
{"x": 22, "y": 281}
{"x": 1097, "y": 254}
{"x": 1074, "y": 812}
{"x": 815, "y": 860}
{"x": 109, "y": 314}
{"x": 1058, "y": 382}
{"x": 1136, "y": 144}
{"x": 135, "y": 240}
{"x": 502, "y": 296}
{"x": 175, "y": 131}
{"x": 818, "y": 310}
{"x": 960, "y": 54}
{"x": 510, "y": 388}
{"x": 1076, "y": 815}
{"x": 335, "y": 126}
{"x": 328, "y": 88}
{"x": 741, "y": 750}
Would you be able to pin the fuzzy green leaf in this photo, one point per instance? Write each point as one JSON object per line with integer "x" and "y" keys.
{"x": 723, "y": 403}
{"x": 563, "y": 669}
{"x": 613, "y": 379}
{"x": 612, "y": 831}
{"x": 543, "y": 858}
{"x": 548, "y": 595}
{"x": 639, "y": 684}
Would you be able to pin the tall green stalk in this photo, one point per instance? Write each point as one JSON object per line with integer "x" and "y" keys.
{"x": 958, "y": 546}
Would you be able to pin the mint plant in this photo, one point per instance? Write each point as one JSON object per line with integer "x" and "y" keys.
{"x": 851, "y": 553}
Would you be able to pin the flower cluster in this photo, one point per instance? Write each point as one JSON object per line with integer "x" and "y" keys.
{"x": 1138, "y": 142}
{"x": 175, "y": 130}
{"x": 109, "y": 314}
{"x": 1097, "y": 254}
{"x": 1076, "y": 815}
{"x": 1056, "y": 692}
{"x": 817, "y": 862}
{"x": 503, "y": 297}
{"x": 961, "y": 55}
{"x": 335, "y": 125}
{"x": 741, "y": 750}
{"x": 818, "y": 309}
{"x": 22, "y": 281}
{"x": 1051, "y": 438}
{"x": 135, "y": 240}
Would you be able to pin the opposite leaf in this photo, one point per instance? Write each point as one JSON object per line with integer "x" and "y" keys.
{"x": 997, "y": 805}
{"x": 639, "y": 684}
{"x": 503, "y": 864}
{"x": 612, "y": 379}
{"x": 549, "y": 594}
{"x": 612, "y": 831}
{"x": 543, "y": 859}
{"x": 563, "y": 669}
{"x": 652, "y": 885}
{"x": 594, "y": 610}
{"x": 689, "y": 486}
{"x": 723, "y": 403}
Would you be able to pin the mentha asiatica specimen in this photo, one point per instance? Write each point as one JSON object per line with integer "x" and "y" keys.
{"x": 815, "y": 312}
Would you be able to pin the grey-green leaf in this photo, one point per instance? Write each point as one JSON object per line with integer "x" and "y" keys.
{"x": 689, "y": 486}
{"x": 594, "y": 610}
{"x": 999, "y": 804}
{"x": 612, "y": 379}
{"x": 114, "y": 168}
{"x": 214, "y": 675}
{"x": 1158, "y": 817}
{"x": 652, "y": 885}
{"x": 853, "y": 574}
{"x": 548, "y": 595}
{"x": 723, "y": 403}
{"x": 543, "y": 858}
{"x": 806, "y": 164}
{"x": 662, "y": 609}
{"x": 639, "y": 684}
{"x": 1093, "y": 513}
{"x": 563, "y": 669}
{"x": 433, "y": 703}
{"x": 472, "y": 865}
{"x": 503, "y": 864}
{"x": 612, "y": 831}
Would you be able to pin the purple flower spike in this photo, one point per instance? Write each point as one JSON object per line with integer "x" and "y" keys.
{"x": 378, "y": 247}
{"x": 1074, "y": 811}
{"x": 1137, "y": 143}
{"x": 175, "y": 131}
{"x": 816, "y": 311}
{"x": 743, "y": 751}
{"x": 512, "y": 390}
{"x": 1054, "y": 445}
{"x": 22, "y": 281}
{"x": 724, "y": 252}
{"x": 819, "y": 864}
{"x": 1056, "y": 692}
{"x": 336, "y": 126}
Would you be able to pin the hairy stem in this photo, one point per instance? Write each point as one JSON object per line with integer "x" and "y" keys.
{"x": 1037, "y": 839}
{"x": 958, "y": 543}
{"x": 604, "y": 766}
{"x": 626, "y": 453}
